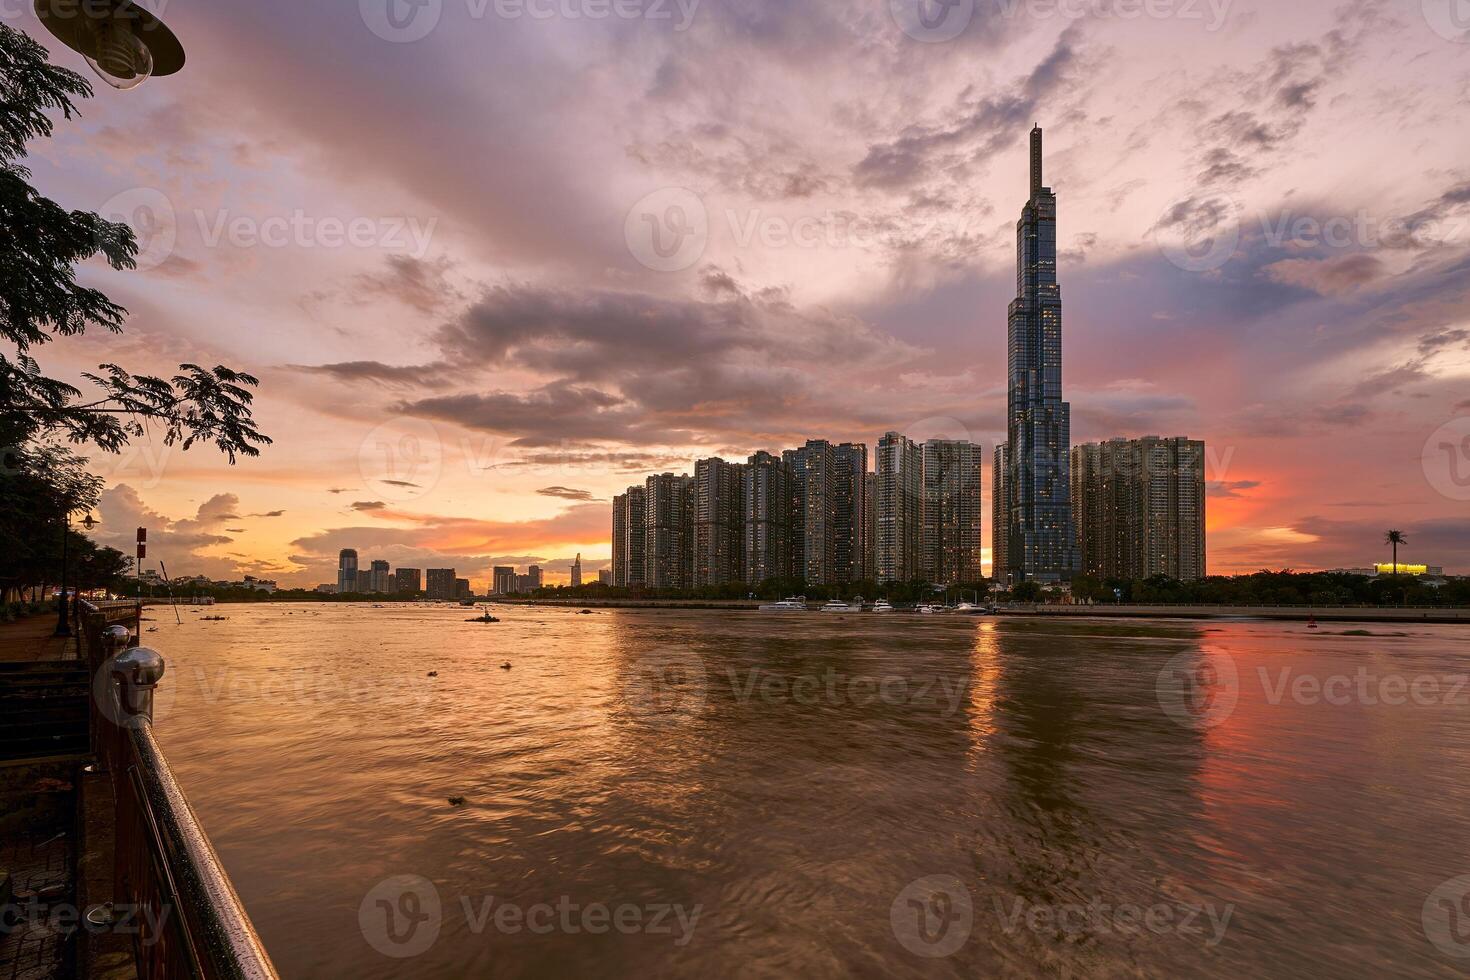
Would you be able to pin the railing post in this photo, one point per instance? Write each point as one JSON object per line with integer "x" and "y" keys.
{"x": 137, "y": 673}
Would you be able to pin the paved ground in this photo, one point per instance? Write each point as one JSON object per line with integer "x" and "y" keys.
{"x": 39, "y": 946}
{"x": 31, "y": 639}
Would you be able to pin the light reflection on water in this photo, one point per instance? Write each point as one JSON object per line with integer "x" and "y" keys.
{"x": 790, "y": 777}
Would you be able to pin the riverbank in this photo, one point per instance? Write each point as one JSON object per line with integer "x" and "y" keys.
{"x": 1325, "y": 614}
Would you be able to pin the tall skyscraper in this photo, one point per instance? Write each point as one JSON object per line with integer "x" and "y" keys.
{"x": 900, "y": 509}
{"x": 630, "y": 528}
{"x": 850, "y": 526}
{"x": 347, "y": 571}
{"x": 668, "y": 544}
{"x": 441, "y": 583}
{"x": 767, "y": 509}
{"x": 1000, "y": 512}
{"x": 1140, "y": 508}
{"x": 815, "y": 468}
{"x": 1038, "y": 484}
{"x": 577, "y": 571}
{"x": 953, "y": 526}
{"x": 719, "y": 523}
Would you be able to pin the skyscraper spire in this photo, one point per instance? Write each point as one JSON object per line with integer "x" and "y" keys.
{"x": 1038, "y": 505}
{"x": 1036, "y": 181}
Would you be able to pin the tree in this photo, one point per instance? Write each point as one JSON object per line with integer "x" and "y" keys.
{"x": 41, "y": 243}
{"x": 1395, "y": 538}
{"x": 1027, "y": 591}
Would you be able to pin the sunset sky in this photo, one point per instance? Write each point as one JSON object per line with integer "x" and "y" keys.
{"x": 430, "y": 238}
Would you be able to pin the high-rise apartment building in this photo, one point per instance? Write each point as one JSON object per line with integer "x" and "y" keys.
{"x": 1040, "y": 545}
{"x": 1000, "y": 513}
{"x": 668, "y": 544}
{"x": 719, "y": 523}
{"x": 441, "y": 583}
{"x": 795, "y": 463}
{"x": 347, "y": 571}
{"x": 409, "y": 581}
{"x": 630, "y": 528}
{"x": 900, "y": 509}
{"x": 379, "y": 572}
{"x": 767, "y": 510}
{"x": 953, "y": 526}
{"x": 850, "y": 524}
{"x": 870, "y": 521}
{"x": 814, "y": 470}
{"x": 1139, "y": 505}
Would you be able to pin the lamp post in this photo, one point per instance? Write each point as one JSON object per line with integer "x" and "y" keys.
{"x": 63, "y": 621}
{"x": 124, "y": 43}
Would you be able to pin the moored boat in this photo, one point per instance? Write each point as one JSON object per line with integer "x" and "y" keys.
{"x": 794, "y": 604}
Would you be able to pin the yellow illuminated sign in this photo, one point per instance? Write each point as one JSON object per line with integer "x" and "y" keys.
{"x": 1388, "y": 569}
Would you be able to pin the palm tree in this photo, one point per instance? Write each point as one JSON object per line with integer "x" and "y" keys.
{"x": 1395, "y": 538}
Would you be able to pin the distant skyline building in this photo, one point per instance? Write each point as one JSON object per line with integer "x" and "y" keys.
{"x": 347, "y": 571}
{"x": 577, "y": 571}
{"x": 379, "y": 573}
{"x": 900, "y": 508}
{"x": 870, "y": 530}
{"x": 719, "y": 523}
{"x": 767, "y": 510}
{"x": 441, "y": 583}
{"x": 630, "y": 528}
{"x": 604, "y": 576}
{"x": 503, "y": 580}
{"x": 1139, "y": 505}
{"x": 850, "y": 523}
{"x": 668, "y": 554}
{"x": 1038, "y": 486}
{"x": 953, "y": 507}
{"x": 408, "y": 581}
{"x": 1000, "y": 512}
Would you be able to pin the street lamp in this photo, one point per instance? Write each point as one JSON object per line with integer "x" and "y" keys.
{"x": 124, "y": 43}
{"x": 63, "y": 622}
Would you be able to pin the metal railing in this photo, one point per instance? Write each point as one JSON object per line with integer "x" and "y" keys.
{"x": 167, "y": 872}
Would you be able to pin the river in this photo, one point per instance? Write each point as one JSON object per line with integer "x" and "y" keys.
{"x": 711, "y": 793}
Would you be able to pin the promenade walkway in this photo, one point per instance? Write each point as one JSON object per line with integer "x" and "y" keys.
{"x": 31, "y": 639}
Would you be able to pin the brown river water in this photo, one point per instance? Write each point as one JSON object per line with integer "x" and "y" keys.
{"x": 709, "y": 794}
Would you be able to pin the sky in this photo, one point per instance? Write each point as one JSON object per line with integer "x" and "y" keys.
{"x": 496, "y": 260}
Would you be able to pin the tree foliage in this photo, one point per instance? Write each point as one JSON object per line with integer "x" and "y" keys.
{"x": 41, "y": 244}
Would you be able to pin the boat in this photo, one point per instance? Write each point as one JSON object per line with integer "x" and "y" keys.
{"x": 838, "y": 606}
{"x": 928, "y": 610}
{"x": 969, "y": 609}
{"x": 882, "y": 606}
{"x": 791, "y": 605}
